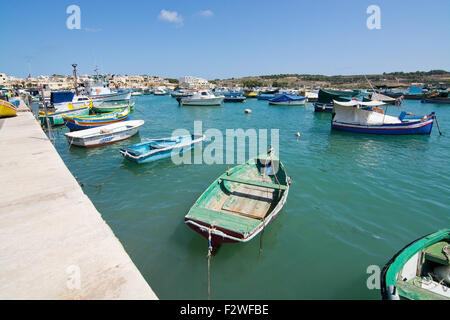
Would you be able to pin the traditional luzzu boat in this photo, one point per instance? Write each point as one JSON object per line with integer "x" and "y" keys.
{"x": 112, "y": 106}
{"x": 420, "y": 271}
{"x": 325, "y": 98}
{"x": 203, "y": 98}
{"x": 7, "y": 109}
{"x": 157, "y": 149}
{"x": 56, "y": 118}
{"x": 105, "y": 134}
{"x": 288, "y": 100}
{"x": 241, "y": 202}
{"x": 368, "y": 117}
{"x": 86, "y": 122}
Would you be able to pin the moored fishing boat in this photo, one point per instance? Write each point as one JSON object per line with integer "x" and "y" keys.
{"x": 241, "y": 202}
{"x": 107, "y": 134}
{"x": 112, "y": 106}
{"x": 420, "y": 271}
{"x": 99, "y": 90}
{"x": 288, "y": 100}
{"x": 436, "y": 96}
{"x": 7, "y": 109}
{"x": 157, "y": 149}
{"x": 56, "y": 118}
{"x": 325, "y": 98}
{"x": 86, "y": 122}
{"x": 234, "y": 96}
{"x": 202, "y": 98}
{"x": 368, "y": 117}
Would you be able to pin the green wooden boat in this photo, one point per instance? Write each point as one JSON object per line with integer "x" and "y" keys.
{"x": 111, "y": 106}
{"x": 420, "y": 271}
{"x": 241, "y": 202}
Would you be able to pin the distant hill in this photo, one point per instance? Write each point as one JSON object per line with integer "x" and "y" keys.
{"x": 392, "y": 80}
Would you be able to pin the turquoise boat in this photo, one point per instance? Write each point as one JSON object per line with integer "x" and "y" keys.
{"x": 156, "y": 149}
{"x": 420, "y": 271}
{"x": 240, "y": 203}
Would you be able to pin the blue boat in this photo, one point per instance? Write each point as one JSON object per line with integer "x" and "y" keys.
{"x": 266, "y": 96}
{"x": 288, "y": 100}
{"x": 368, "y": 117}
{"x": 234, "y": 96}
{"x": 156, "y": 149}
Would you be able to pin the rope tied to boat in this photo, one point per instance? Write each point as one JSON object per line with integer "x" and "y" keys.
{"x": 98, "y": 186}
{"x": 210, "y": 248}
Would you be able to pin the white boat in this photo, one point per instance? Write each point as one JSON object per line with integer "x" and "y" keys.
{"x": 203, "y": 98}
{"x": 105, "y": 134}
{"x": 160, "y": 91}
{"x": 136, "y": 93}
{"x": 99, "y": 90}
{"x": 77, "y": 101}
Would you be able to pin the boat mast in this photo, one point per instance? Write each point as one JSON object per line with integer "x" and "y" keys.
{"x": 75, "y": 77}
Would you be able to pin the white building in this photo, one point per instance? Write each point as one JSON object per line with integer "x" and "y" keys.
{"x": 194, "y": 81}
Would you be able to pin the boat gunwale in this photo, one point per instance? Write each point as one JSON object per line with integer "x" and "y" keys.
{"x": 391, "y": 269}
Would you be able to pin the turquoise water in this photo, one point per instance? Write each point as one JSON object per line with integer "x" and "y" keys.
{"x": 355, "y": 200}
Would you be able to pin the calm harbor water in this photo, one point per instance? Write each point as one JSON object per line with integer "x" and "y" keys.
{"x": 355, "y": 200}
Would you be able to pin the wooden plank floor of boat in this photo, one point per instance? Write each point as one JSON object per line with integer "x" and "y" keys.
{"x": 250, "y": 201}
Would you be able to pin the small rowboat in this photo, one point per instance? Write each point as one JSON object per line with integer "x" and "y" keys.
{"x": 156, "y": 149}
{"x": 420, "y": 271}
{"x": 87, "y": 122}
{"x": 104, "y": 135}
{"x": 7, "y": 109}
{"x": 241, "y": 202}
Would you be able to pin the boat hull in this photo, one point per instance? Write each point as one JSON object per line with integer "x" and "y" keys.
{"x": 440, "y": 101}
{"x": 202, "y": 102}
{"x": 108, "y": 134}
{"x": 417, "y": 127}
{"x": 7, "y": 109}
{"x": 288, "y": 103}
{"x": 116, "y": 96}
{"x": 112, "y": 108}
{"x": 323, "y": 107}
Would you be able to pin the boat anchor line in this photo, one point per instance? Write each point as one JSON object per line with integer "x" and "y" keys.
{"x": 209, "y": 263}
{"x": 99, "y": 186}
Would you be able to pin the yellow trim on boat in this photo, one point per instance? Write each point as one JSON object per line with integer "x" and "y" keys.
{"x": 71, "y": 107}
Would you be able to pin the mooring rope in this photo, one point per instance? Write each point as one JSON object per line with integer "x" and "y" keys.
{"x": 106, "y": 180}
{"x": 209, "y": 263}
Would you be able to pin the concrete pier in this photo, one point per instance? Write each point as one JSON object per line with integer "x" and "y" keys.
{"x": 54, "y": 244}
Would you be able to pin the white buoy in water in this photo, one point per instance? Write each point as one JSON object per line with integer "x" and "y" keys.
{"x": 298, "y": 134}
{"x": 248, "y": 111}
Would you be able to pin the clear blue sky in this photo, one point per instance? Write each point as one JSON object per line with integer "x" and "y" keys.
{"x": 240, "y": 37}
